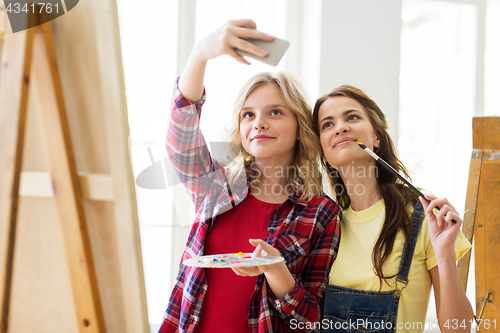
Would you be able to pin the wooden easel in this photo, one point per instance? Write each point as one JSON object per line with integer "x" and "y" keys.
{"x": 482, "y": 217}
{"x": 29, "y": 65}
{"x": 49, "y": 212}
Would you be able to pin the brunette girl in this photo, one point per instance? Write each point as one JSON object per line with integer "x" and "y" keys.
{"x": 390, "y": 255}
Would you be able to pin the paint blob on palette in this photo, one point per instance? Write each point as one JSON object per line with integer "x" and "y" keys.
{"x": 230, "y": 260}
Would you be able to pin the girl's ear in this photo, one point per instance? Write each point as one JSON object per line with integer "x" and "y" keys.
{"x": 376, "y": 143}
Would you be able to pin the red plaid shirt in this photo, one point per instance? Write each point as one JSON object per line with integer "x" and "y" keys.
{"x": 306, "y": 233}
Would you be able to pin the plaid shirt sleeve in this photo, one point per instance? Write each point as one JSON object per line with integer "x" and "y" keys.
{"x": 305, "y": 302}
{"x": 187, "y": 149}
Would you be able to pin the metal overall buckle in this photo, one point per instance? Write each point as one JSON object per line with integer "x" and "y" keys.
{"x": 398, "y": 291}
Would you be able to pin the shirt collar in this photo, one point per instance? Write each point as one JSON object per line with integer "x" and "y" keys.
{"x": 295, "y": 198}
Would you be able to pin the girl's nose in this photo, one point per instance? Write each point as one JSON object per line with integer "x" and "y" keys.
{"x": 260, "y": 124}
{"x": 342, "y": 128}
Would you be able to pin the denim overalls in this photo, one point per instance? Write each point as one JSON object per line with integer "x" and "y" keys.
{"x": 354, "y": 310}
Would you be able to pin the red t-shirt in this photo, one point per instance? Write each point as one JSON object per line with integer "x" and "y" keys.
{"x": 226, "y": 304}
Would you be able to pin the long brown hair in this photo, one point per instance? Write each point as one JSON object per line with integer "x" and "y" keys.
{"x": 396, "y": 196}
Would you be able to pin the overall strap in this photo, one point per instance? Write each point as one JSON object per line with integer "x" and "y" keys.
{"x": 416, "y": 221}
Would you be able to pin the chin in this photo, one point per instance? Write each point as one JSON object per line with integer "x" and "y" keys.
{"x": 340, "y": 161}
{"x": 263, "y": 156}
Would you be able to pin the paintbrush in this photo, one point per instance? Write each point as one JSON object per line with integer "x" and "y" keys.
{"x": 395, "y": 173}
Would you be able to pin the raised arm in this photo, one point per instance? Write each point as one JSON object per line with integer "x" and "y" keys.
{"x": 222, "y": 41}
{"x": 185, "y": 144}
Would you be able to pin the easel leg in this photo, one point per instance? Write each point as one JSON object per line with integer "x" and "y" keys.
{"x": 470, "y": 211}
{"x": 68, "y": 194}
{"x": 14, "y": 85}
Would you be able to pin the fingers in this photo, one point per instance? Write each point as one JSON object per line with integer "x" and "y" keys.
{"x": 446, "y": 212}
{"x": 453, "y": 216}
{"x": 257, "y": 252}
{"x": 247, "y": 271}
{"x": 239, "y": 271}
{"x": 244, "y": 32}
{"x": 438, "y": 202}
{"x": 425, "y": 204}
{"x": 248, "y": 29}
{"x": 244, "y": 23}
{"x": 261, "y": 249}
{"x": 441, "y": 215}
{"x": 233, "y": 36}
{"x": 267, "y": 250}
{"x": 235, "y": 40}
{"x": 229, "y": 37}
{"x": 245, "y": 45}
{"x": 429, "y": 212}
{"x": 232, "y": 53}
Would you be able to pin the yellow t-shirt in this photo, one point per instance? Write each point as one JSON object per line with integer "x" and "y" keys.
{"x": 353, "y": 267}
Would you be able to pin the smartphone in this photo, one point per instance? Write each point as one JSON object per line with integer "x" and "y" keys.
{"x": 275, "y": 50}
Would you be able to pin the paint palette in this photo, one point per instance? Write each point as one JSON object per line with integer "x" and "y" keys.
{"x": 230, "y": 260}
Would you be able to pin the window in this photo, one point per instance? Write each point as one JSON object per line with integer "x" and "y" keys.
{"x": 492, "y": 65}
{"x": 437, "y": 100}
{"x": 149, "y": 48}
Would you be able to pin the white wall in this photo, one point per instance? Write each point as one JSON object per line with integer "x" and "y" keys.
{"x": 360, "y": 46}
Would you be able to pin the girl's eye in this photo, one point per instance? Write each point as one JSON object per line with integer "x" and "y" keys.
{"x": 326, "y": 125}
{"x": 247, "y": 114}
{"x": 276, "y": 112}
{"x": 352, "y": 117}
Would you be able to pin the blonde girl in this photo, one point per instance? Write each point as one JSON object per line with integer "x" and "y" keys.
{"x": 268, "y": 199}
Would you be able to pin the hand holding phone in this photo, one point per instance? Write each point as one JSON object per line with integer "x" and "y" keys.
{"x": 275, "y": 50}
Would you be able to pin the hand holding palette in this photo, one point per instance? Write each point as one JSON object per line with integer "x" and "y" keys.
{"x": 230, "y": 260}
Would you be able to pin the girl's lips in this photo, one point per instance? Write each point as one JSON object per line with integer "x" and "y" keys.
{"x": 261, "y": 138}
{"x": 343, "y": 142}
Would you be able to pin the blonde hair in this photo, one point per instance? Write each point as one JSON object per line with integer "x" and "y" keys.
{"x": 306, "y": 177}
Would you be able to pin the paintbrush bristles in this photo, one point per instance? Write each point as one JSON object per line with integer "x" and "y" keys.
{"x": 368, "y": 150}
